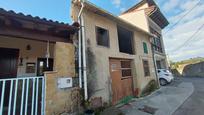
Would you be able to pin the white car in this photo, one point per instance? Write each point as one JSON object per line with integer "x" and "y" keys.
{"x": 165, "y": 76}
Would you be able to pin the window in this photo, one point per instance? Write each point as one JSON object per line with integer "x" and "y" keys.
{"x": 157, "y": 45}
{"x": 126, "y": 68}
{"x": 102, "y": 37}
{"x": 158, "y": 64}
{"x": 146, "y": 68}
{"x": 42, "y": 65}
{"x": 157, "y": 41}
{"x": 125, "y": 39}
{"x": 145, "y": 48}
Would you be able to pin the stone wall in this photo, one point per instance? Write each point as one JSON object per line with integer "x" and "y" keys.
{"x": 178, "y": 71}
{"x": 194, "y": 70}
{"x": 64, "y": 60}
{"x": 59, "y": 101}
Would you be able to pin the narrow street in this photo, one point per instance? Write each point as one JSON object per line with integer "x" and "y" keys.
{"x": 184, "y": 96}
{"x": 195, "y": 103}
{"x": 164, "y": 101}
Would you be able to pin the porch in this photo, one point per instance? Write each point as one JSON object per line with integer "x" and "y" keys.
{"x": 22, "y": 83}
{"x": 25, "y": 58}
{"x": 23, "y": 63}
{"x": 27, "y": 67}
{"x": 35, "y": 53}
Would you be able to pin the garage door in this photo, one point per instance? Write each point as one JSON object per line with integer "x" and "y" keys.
{"x": 122, "y": 80}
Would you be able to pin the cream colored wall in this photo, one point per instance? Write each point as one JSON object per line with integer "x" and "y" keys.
{"x": 138, "y": 19}
{"x": 38, "y": 50}
{"x": 140, "y": 55}
{"x": 145, "y": 5}
{"x": 101, "y": 54}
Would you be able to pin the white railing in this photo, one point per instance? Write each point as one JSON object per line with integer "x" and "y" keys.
{"x": 22, "y": 96}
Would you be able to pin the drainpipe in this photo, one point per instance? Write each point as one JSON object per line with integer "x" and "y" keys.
{"x": 79, "y": 48}
{"x": 82, "y": 52}
{"x": 84, "y": 59}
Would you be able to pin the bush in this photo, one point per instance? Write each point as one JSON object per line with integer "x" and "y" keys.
{"x": 150, "y": 87}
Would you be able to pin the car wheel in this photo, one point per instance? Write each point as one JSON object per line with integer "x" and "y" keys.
{"x": 163, "y": 82}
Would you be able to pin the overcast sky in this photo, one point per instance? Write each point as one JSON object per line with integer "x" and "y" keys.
{"x": 59, "y": 10}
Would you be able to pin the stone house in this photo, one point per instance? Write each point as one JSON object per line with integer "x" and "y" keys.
{"x": 35, "y": 54}
{"x": 147, "y": 15}
{"x": 118, "y": 54}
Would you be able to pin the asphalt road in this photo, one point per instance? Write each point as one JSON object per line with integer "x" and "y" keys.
{"x": 194, "y": 105}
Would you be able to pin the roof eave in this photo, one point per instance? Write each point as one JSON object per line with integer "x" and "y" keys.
{"x": 116, "y": 18}
{"x": 159, "y": 16}
{"x": 150, "y": 3}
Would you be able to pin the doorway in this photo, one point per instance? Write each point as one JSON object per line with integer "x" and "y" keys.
{"x": 122, "y": 79}
{"x": 8, "y": 63}
{"x": 158, "y": 64}
{"x": 8, "y": 68}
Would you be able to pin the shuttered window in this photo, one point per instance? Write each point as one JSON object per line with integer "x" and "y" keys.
{"x": 145, "y": 48}
{"x": 126, "y": 68}
{"x": 146, "y": 68}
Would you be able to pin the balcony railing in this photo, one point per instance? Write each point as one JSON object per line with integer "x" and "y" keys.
{"x": 157, "y": 48}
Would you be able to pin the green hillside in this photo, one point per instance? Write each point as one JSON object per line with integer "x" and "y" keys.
{"x": 192, "y": 60}
{"x": 174, "y": 65}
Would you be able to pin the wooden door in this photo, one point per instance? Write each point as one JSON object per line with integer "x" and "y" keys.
{"x": 8, "y": 69}
{"x": 8, "y": 63}
{"x": 121, "y": 86}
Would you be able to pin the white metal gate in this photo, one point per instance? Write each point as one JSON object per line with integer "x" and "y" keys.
{"x": 22, "y": 96}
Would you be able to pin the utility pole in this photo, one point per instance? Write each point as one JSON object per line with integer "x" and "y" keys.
{"x": 154, "y": 61}
{"x": 168, "y": 61}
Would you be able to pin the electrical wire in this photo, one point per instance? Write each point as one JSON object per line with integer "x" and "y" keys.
{"x": 183, "y": 17}
{"x": 197, "y": 38}
{"x": 189, "y": 39}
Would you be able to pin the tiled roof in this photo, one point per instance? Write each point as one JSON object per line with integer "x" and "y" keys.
{"x": 31, "y": 18}
{"x": 22, "y": 25}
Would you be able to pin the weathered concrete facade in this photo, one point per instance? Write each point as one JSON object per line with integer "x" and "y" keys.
{"x": 98, "y": 56}
{"x": 140, "y": 18}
